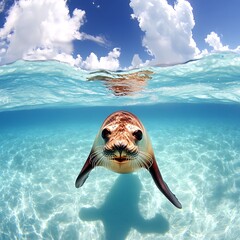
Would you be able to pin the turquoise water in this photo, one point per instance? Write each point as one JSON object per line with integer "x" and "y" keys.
{"x": 49, "y": 116}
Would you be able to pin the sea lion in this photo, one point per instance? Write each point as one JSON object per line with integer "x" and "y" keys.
{"x": 123, "y": 146}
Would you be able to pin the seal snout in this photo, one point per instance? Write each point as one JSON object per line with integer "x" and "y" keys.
{"x": 120, "y": 147}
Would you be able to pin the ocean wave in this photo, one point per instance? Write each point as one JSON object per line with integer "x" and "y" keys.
{"x": 43, "y": 84}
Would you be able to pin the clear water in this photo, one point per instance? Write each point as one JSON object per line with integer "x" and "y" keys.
{"x": 49, "y": 116}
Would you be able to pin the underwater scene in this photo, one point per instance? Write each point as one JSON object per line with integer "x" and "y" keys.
{"x": 50, "y": 114}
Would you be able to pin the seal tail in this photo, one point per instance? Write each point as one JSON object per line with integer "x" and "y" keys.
{"x": 83, "y": 175}
{"x": 162, "y": 186}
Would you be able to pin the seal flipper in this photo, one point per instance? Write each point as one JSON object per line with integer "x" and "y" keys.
{"x": 83, "y": 175}
{"x": 162, "y": 186}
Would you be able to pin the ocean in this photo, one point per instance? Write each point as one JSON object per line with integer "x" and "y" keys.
{"x": 50, "y": 114}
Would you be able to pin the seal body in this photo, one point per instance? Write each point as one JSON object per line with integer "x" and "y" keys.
{"x": 123, "y": 146}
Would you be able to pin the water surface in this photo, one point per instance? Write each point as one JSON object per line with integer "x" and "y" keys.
{"x": 50, "y": 114}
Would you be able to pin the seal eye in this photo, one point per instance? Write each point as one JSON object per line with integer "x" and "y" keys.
{"x": 105, "y": 133}
{"x": 138, "y": 134}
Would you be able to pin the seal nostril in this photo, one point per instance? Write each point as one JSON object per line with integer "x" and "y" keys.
{"x": 120, "y": 147}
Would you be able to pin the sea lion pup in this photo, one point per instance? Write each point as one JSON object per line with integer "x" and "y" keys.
{"x": 123, "y": 146}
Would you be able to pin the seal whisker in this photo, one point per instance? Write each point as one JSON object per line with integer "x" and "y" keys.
{"x": 95, "y": 154}
{"x": 146, "y": 155}
{"x": 140, "y": 162}
{"x": 94, "y": 157}
{"x": 101, "y": 161}
{"x": 146, "y": 159}
{"x": 143, "y": 161}
{"x": 98, "y": 148}
{"x": 135, "y": 164}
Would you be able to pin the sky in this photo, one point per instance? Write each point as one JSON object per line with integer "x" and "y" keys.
{"x": 117, "y": 34}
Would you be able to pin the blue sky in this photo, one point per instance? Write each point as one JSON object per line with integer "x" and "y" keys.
{"x": 112, "y": 19}
{"x": 220, "y": 16}
{"x": 108, "y": 29}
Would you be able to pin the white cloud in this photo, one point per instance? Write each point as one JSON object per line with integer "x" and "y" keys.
{"x": 137, "y": 62}
{"x": 42, "y": 30}
{"x": 168, "y": 30}
{"x": 42, "y": 27}
{"x": 109, "y": 62}
{"x": 67, "y": 58}
{"x": 98, "y": 39}
{"x": 214, "y": 41}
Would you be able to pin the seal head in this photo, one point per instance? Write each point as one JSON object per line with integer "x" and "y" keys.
{"x": 123, "y": 146}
